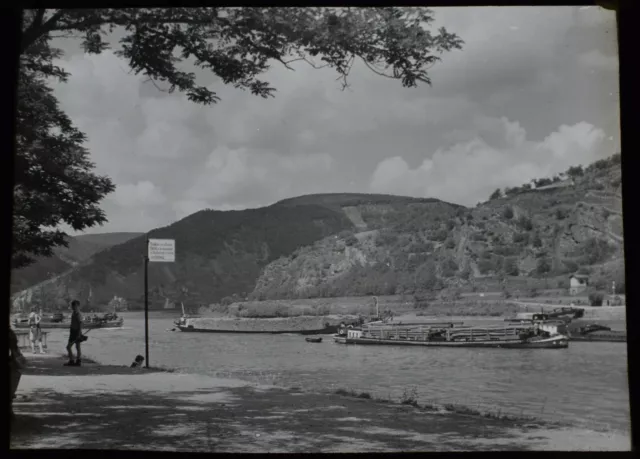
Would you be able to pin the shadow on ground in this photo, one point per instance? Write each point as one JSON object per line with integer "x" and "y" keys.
{"x": 244, "y": 419}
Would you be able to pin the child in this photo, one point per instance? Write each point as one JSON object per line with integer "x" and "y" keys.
{"x": 137, "y": 362}
{"x": 35, "y": 333}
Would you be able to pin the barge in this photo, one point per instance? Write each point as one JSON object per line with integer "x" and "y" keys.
{"x": 596, "y": 332}
{"x": 510, "y": 337}
{"x": 302, "y": 325}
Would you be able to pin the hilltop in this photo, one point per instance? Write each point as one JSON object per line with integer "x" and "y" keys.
{"x": 80, "y": 249}
{"x": 344, "y": 244}
{"x": 524, "y": 237}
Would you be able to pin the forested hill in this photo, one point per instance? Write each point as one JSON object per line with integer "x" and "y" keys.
{"x": 218, "y": 253}
{"x": 80, "y": 249}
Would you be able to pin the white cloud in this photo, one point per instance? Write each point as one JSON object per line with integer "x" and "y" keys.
{"x": 469, "y": 171}
{"x": 140, "y": 194}
{"x": 234, "y": 176}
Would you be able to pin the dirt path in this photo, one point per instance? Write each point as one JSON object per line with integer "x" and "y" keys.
{"x": 101, "y": 407}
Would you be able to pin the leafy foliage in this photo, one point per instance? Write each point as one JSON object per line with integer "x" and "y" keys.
{"x": 239, "y": 44}
{"x": 54, "y": 182}
{"x": 596, "y": 298}
{"x": 496, "y": 194}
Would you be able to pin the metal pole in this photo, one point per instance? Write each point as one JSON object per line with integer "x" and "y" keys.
{"x": 146, "y": 304}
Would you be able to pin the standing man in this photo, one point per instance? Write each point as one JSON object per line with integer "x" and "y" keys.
{"x": 75, "y": 333}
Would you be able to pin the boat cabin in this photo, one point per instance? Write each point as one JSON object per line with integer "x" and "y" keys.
{"x": 354, "y": 333}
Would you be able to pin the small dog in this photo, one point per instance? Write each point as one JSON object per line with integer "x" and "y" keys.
{"x": 137, "y": 362}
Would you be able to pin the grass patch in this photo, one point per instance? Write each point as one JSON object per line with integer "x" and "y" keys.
{"x": 410, "y": 397}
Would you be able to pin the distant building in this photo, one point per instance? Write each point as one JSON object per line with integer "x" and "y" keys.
{"x": 553, "y": 186}
{"x": 578, "y": 283}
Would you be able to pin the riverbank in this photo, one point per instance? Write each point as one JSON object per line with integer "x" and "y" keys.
{"x": 112, "y": 407}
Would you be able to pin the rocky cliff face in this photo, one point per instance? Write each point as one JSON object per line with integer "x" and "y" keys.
{"x": 531, "y": 233}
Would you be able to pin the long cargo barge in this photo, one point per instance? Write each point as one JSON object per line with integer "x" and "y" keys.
{"x": 302, "y": 325}
{"x": 515, "y": 337}
{"x": 320, "y": 331}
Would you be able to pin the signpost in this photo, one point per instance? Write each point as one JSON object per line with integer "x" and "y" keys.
{"x": 158, "y": 251}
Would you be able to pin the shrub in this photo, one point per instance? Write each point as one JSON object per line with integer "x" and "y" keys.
{"x": 595, "y": 250}
{"x": 450, "y": 244}
{"x": 571, "y": 265}
{"x": 533, "y": 292}
{"x": 521, "y": 238}
{"x": 485, "y": 266}
{"x": 409, "y": 397}
{"x": 596, "y": 298}
{"x": 575, "y": 171}
{"x": 537, "y": 242}
{"x": 440, "y": 235}
{"x": 511, "y": 266}
{"x": 525, "y": 223}
{"x": 560, "y": 214}
{"x": 351, "y": 240}
{"x": 543, "y": 266}
{"x": 507, "y": 213}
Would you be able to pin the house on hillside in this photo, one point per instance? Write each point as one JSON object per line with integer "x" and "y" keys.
{"x": 553, "y": 186}
{"x": 578, "y": 283}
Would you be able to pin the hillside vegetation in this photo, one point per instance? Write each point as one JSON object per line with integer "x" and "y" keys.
{"x": 343, "y": 245}
{"x": 525, "y": 239}
{"x": 80, "y": 249}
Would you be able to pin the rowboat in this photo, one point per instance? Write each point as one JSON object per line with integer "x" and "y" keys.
{"x": 314, "y": 340}
{"x": 510, "y": 337}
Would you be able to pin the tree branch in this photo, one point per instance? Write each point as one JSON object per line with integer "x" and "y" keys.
{"x": 36, "y": 31}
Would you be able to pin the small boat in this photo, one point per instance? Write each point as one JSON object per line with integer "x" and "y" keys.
{"x": 596, "y": 332}
{"x": 314, "y": 340}
{"x": 563, "y": 314}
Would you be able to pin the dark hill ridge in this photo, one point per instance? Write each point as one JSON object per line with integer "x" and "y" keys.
{"x": 340, "y": 200}
{"x": 80, "y": 248}
{"x": 223, "y": 253}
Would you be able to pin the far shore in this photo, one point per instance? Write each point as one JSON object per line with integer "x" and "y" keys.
{"x": 112, "y": 407}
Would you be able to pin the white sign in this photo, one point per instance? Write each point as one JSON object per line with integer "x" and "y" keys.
{"x": 162, "y": 250}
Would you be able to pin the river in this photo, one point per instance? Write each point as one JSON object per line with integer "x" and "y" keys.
{"x": 585, "y": 384}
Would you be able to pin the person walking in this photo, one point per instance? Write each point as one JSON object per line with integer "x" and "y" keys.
{"x": 75, "y": 335}
{"x": 35, "y": 332}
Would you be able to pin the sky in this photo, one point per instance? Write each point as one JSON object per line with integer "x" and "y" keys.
{"x": 533, "y": 91}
